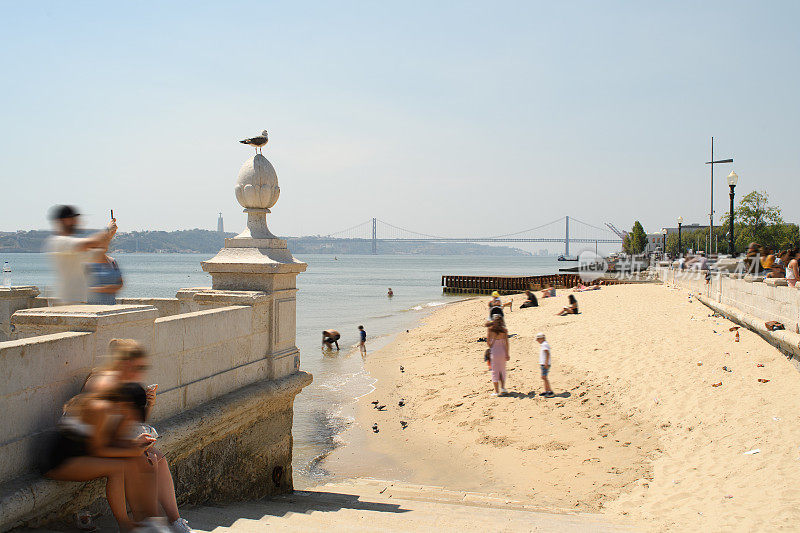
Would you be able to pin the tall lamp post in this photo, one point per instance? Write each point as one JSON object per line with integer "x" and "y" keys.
{"x": 711, "y": 213}
{"x": 680, "y": 248}
{"x": 733, "y": 179}
{"x": 664, "y": 245}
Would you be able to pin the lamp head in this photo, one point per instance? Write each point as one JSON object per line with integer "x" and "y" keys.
{"x": 733, "y": 178}
{"x": 680, "y": 220}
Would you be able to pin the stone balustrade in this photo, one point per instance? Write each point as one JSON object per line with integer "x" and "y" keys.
{"x": 235, "y": 339}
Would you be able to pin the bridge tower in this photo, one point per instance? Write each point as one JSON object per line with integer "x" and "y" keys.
{"x": 566, "y": 239}
{"x": 374, "y": 236}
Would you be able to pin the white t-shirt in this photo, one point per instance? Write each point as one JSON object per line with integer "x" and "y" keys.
{"x": 69, "y": 263}
{"x": 544, "y": 351}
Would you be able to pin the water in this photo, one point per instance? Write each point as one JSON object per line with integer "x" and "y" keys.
{"x": 334, "y": 294}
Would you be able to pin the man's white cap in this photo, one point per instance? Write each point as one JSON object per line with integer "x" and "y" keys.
{"x": 540, "y": 335}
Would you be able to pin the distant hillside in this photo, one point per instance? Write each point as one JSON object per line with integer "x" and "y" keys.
{"x": 193, "y": 240}
{"x": 204, "y": 241}
{"x": 315, "y": 245}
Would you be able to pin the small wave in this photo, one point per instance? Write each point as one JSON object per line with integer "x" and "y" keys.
{"x": 429, "y": 304}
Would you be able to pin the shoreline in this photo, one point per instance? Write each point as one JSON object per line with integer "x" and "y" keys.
{"x": 637, "y": 432}
{"x": 342, "y": 418}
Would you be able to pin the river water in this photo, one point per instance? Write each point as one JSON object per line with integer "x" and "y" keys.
{"x": 335, "y": 293}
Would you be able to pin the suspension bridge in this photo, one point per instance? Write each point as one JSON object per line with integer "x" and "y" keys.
{"x": 376, "y": 230}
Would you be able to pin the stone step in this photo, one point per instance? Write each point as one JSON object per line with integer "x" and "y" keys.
{"x": 381, "y": 506}
{"x": 387, "y": 506}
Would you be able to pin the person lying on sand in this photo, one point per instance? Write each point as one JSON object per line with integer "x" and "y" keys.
{"x": 571, "y": 309}
{"x": 582, "y": 288}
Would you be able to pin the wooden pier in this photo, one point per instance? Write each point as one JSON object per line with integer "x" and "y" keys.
{"x": 510, "y": 284}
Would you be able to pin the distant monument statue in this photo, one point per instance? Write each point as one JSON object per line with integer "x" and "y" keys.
{"x": 257, "y": 142}
{"x": 220, "y": 227}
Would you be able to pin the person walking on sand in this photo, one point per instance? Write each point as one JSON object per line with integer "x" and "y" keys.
{"x": 362, "y": 343}
{"x": 497, "y": 339}
{"x": 544, "y": 364}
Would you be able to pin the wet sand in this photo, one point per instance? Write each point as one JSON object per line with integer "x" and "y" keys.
{"x": 636, "y": 430}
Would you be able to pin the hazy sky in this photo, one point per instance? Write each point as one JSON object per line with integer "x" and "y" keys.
{"x": 449, "y": 118}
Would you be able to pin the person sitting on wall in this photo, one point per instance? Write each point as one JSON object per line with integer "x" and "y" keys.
{"x": 752, "y": 260}
{"x": 549, "y": 292}
{"x": 778, "y": 269}
{"x": 531, "y": 300}
{"x": 128, "y": 367}
{"x": 331, "y": 337}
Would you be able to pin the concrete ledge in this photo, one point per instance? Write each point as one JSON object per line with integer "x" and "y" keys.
{"x": 786, "y": 341}
{"x": 776, "y": 282}
{"x": 224, "y": 450}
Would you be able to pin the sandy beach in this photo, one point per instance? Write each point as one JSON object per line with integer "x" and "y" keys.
{"x": 636, "y": 429}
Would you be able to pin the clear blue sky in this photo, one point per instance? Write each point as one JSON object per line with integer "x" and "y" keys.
{"x": 446, "y": 117}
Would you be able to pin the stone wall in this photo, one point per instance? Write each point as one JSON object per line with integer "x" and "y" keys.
{"x": 754, "y": 297}
{"x": 227, "y": 374}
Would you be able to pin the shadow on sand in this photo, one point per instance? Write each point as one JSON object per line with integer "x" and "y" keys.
{"x": 301, "y": 501}
{"x": 532, "y": 394}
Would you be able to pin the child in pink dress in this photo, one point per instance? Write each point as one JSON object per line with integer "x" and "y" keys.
{"x": 497, "y": 339}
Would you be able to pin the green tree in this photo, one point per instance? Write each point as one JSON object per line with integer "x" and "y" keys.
{"x": 755, "y": 220}
{"x": 672, "y": 244}
{"x": 636, "y": 239}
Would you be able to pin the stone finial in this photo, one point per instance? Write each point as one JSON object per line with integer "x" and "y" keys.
{"x": 257, "y": 184}
{"x": 254, "y": 259}
{"x": 257, "y": 191}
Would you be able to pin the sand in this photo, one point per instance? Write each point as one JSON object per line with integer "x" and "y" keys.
{"x": 636, "y": 429}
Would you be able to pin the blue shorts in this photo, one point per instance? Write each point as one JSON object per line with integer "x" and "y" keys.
{"x": 545, "y": 370}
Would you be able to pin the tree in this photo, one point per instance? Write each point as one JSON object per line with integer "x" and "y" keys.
{"x": 636, "y": 241}
{"x": 672, "y": 244}
{"x": 755, "y": 220}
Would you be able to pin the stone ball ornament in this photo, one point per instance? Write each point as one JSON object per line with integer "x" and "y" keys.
{"x": 257, "y": 184}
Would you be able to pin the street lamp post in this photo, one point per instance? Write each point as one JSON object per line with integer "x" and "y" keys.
{"x": 664, "y": 242}
{"x": 733, "y": 179}
{"x": 711, "y": 213}
{"x": 680, "y": 248}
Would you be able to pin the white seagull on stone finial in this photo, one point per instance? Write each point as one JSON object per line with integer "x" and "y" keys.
{"x": 257, "y": 142}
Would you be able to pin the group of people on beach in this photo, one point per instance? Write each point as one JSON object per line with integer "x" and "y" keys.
{"x": 103, "y": 433}
{"x": 497, "y": 338}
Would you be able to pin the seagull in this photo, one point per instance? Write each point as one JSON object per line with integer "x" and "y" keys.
{"x": 257, "y": 142}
